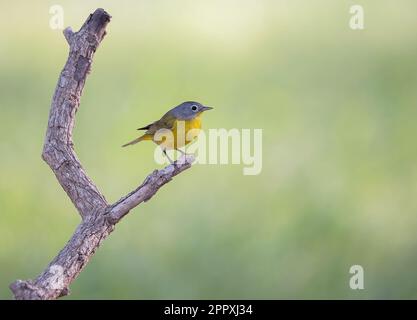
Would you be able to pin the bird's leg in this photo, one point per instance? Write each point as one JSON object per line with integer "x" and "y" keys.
{"x": 183, "y": 158}
{"x": 166, "y": 155}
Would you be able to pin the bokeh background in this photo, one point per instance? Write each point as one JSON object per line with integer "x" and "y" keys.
{"x": 338, "y": 110}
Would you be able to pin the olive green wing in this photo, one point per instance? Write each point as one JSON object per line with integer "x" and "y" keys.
{"x": 166, "y": 122}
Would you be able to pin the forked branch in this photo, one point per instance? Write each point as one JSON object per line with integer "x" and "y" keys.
{"x": 98, "y": 217}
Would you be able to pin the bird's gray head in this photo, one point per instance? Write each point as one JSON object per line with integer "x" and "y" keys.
{"x": 188, "y": 110}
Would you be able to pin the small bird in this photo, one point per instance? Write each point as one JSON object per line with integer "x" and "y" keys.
{"x": 189, "y": 112}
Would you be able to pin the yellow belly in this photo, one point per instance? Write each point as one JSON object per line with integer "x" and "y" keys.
{"x": 183, "y": 132}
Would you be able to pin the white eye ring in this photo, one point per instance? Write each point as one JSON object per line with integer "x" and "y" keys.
{"x": 194, "y": 107}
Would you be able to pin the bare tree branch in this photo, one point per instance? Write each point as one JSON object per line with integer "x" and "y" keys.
{"x": 147, "y": 189}
{"x": 98, "y": 217}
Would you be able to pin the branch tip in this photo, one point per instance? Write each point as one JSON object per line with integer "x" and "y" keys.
{"x": 69, "y": 34}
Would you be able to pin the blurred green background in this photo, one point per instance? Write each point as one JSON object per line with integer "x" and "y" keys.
{"x": 338, "y": 112}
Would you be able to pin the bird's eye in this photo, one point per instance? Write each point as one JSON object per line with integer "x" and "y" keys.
{"x": 194, "y": 107}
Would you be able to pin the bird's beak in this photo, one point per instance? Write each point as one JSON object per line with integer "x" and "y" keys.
{"x": 204, "y": 108}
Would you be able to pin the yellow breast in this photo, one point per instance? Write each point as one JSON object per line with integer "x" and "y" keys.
{"x": 192, "y": 129}
{"x": 193, "y": 124}
{"x": 183, "y": 132}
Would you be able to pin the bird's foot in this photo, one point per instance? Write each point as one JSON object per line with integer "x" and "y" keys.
{"x": 169, "y": 159}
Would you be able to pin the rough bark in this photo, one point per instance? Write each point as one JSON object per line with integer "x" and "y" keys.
{"x": 98, "y": 217}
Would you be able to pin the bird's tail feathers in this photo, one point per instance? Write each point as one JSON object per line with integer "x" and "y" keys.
{"x": 135, "y": 141}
